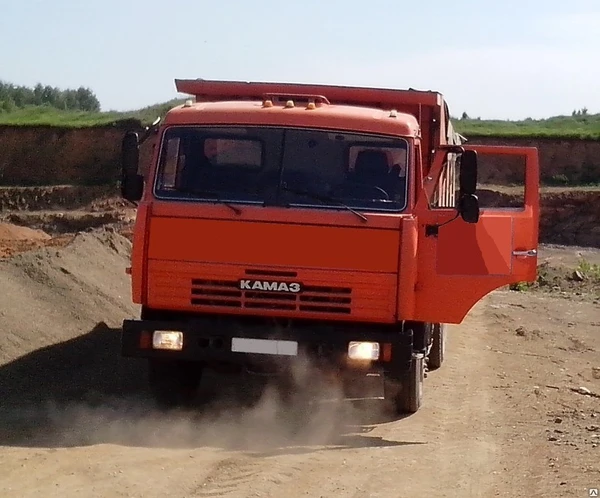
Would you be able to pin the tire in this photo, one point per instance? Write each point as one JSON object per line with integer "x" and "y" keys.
{"x": 438, "y": 347}
{"x": 173, "y": 383}
{"x": 406, "y": 395}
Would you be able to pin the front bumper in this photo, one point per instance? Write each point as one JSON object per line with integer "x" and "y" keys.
{"x": 214, "y": 344}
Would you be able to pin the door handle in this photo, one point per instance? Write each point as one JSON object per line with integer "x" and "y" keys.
{"x": 531, "y": 253}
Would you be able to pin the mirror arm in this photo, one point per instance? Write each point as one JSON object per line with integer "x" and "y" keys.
{"x": 153, "y": 128}
{"x": 455, "y": 149}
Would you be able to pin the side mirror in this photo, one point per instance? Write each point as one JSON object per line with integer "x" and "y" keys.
{"x": 468, "y": 172}
{"x": 468, "y": 203}
{"x": 468, "y": 207}
{"x": 132, "y": 183}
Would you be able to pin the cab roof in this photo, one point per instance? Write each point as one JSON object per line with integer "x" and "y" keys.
{"x": 300, "y": 114}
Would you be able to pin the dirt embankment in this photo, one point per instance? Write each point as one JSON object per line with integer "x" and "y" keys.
{"x": 53, "y": 197}
{"x": 39, "y": 155}
{"x": 562, "y": 161}
{"x": 36, "y": 155}
{"x": 570, "y": 217}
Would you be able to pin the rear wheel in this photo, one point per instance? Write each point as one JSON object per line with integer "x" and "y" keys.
{"x": 406, "y": 394}
{"x": 438, "y": 347}
{"x": 173, "y": 382}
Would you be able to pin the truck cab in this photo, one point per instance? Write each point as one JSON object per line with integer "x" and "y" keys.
{"x": 338, "y": 224}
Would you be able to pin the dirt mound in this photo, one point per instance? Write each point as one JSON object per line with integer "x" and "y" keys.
{"x": 15, "y": 239}
{"x": 52, "y": 295}
{"x": 9, "y": 231}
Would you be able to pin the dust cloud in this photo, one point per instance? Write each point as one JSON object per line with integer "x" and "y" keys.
{"x": 315, "y": 415}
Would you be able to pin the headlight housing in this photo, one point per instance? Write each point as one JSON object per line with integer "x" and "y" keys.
{"x": 358, "y": 350}
{"x": 167, "y": 339}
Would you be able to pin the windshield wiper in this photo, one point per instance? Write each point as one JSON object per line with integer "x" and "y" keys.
{"x": 325, "y": 198}
{"x": 211, "y": 194}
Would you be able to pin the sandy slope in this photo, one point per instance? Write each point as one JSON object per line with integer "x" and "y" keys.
{"x": 75, "y": 419}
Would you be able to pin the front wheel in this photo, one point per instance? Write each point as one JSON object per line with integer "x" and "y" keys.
{"x": 438, "y": 347}
{"x": 406, "y": 394}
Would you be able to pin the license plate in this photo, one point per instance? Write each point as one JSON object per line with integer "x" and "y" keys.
{"x": 264, "y": 346}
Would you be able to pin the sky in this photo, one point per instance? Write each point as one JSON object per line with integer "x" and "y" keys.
{"x": 494, "y": 60}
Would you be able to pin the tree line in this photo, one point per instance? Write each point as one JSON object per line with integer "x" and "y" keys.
{"x": 17, "y": 97}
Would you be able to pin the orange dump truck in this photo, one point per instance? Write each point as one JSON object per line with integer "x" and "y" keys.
{"x": 334, "y": 223}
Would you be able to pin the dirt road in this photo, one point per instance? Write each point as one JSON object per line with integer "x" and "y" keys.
{"x": 500, "y": 418}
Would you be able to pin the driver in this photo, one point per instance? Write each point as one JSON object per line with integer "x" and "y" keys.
{"x": 371, "y": 173}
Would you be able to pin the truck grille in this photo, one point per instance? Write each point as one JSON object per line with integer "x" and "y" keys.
{"x": 312, "y": 298}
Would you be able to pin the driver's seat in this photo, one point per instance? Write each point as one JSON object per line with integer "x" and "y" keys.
{"x": 372, "y": 168}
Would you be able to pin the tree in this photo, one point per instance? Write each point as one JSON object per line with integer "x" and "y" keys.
{"x": 86, "y": 100}
{"x": 38, "y": 94}
{"x": 82, "y": 99}
{"x": 7, "y": 105}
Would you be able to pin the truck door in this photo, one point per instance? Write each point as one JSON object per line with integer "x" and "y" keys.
{"x": 459, "y": 262}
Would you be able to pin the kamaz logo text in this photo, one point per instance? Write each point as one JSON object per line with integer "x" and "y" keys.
{"x": 263, "y": 285}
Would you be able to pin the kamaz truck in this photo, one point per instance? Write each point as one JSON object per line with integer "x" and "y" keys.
{"x": 338, "y": 224}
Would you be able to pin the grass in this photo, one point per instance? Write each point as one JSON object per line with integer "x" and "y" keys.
{"x": 585, "y": 277}
{"x": 48, "y": 116}
{"x": 579, "y": 127}
{"x": 589, "y": 270}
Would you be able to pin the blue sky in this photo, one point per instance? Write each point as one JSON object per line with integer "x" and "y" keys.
{"x": 511, "y": 59}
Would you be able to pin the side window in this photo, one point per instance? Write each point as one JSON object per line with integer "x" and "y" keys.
{"x": 173, "y": 162}
{"x": 501, "y": 181}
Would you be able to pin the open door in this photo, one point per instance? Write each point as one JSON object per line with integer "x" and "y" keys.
{"x": 459, "y": 262}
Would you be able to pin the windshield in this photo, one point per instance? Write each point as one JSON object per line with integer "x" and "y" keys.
{"x": 283, "y": 166}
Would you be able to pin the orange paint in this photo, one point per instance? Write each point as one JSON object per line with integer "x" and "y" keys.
{"x": 263, "y": 244}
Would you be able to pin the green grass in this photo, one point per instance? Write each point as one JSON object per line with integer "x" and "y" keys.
{"x": 587, "y": 126}
{"x": 589, "y": 270}
{"x": 580, "y": 126}
{"x": 48, "y": 116}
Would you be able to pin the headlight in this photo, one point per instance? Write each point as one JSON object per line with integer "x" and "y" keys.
{"x": 363, "y": 350}
{"x": 167, "y": 339}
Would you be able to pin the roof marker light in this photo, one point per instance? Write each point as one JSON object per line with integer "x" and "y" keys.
{"x": 267, "y": 103}
{"x": 311, "y": 106}
{"x": 393, "y": 113}
{"x": 289, "y": 104}
{"x": 188, "y": 103}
